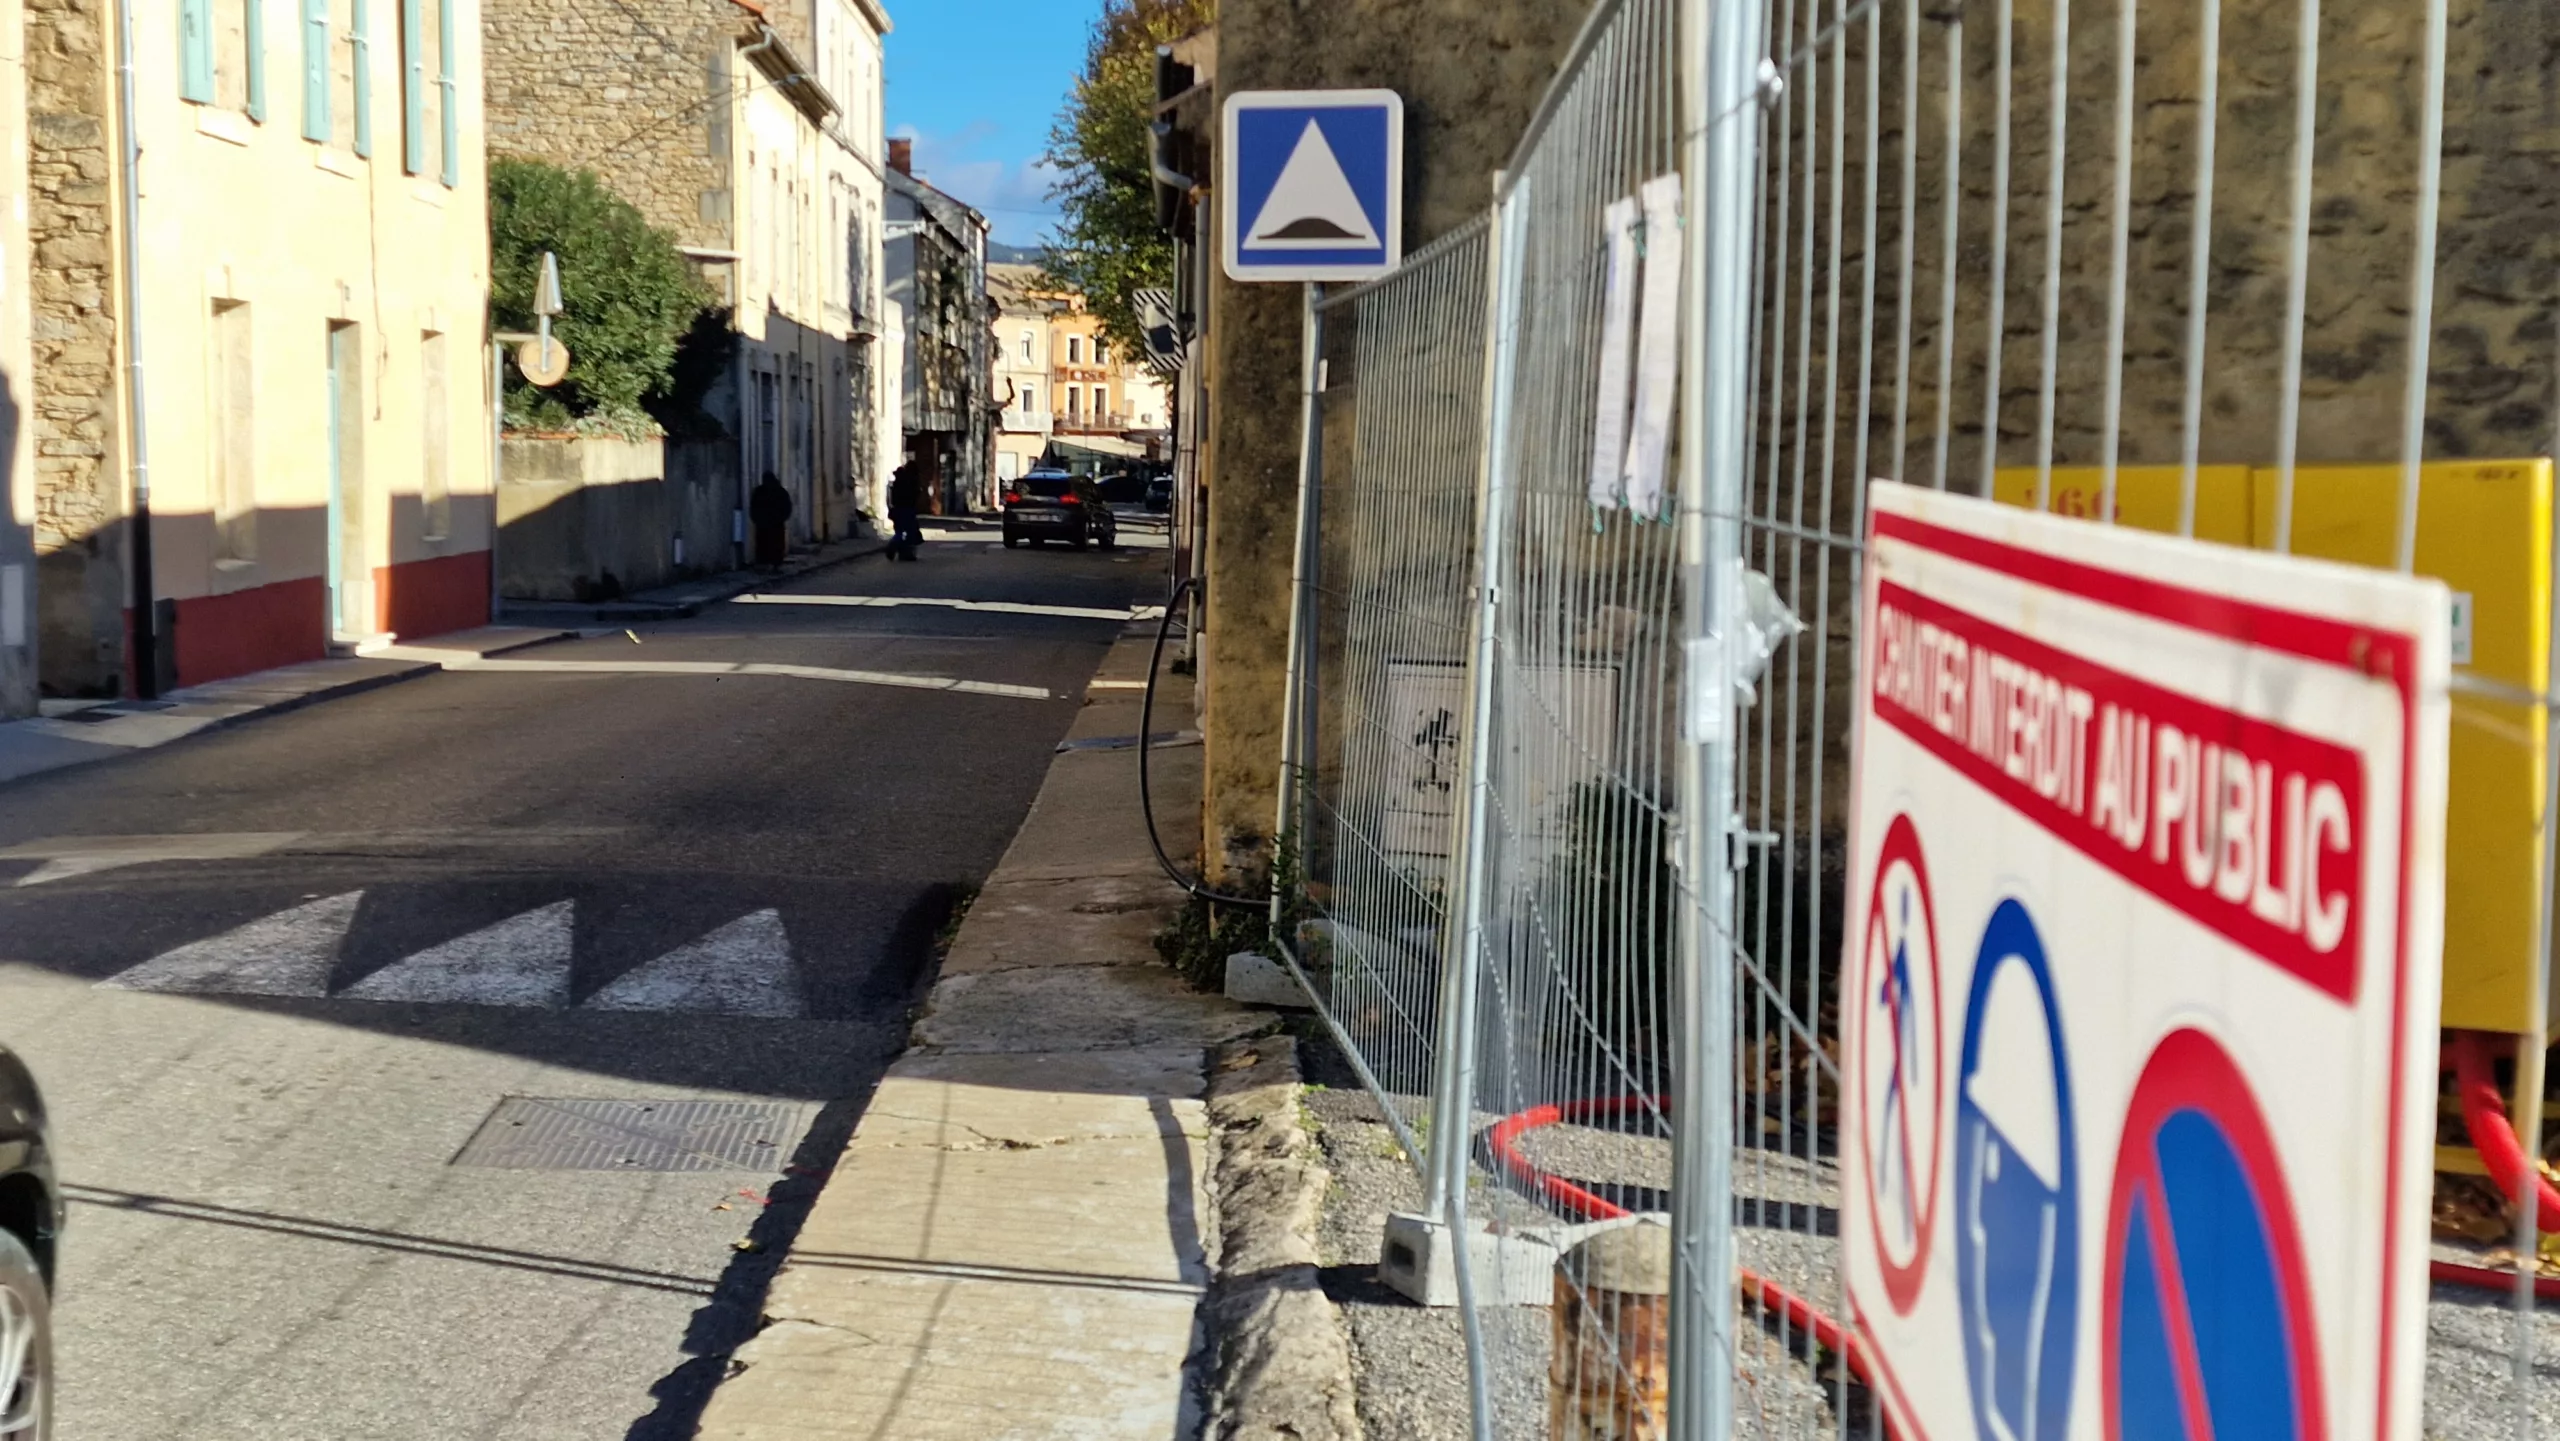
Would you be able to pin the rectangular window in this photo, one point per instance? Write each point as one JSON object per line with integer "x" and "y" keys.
{"x": 315, "y": 70}
{"x": 1075, "y": 394}
{"x": 1075, "y": 350}
{"x": 1099, "y": 358}
{"x": 231, "y": 390}
{"x": 195, "y": 50}
{"x": 448, "y": 118}
{"x": 435, "y": 479}
{"x": 1026, "y": 347}
{"x": 413, "y": 86}
{"x": 360, "y": 72}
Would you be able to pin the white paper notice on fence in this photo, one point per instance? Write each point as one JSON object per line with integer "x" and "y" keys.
{"x": 1617, "y": 337}
{"x": 2145, "y": 918}
{"x": 1564, "y": 720}
{"x": 1658, "y": 349}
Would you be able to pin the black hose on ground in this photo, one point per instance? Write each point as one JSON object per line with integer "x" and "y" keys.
{"x": 1146, "y": 794}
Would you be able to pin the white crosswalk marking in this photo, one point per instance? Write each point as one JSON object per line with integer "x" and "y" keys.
{"x": 742, "y": 969}
{"x": 289, "y": 953}
{"x": 520, "y": 961}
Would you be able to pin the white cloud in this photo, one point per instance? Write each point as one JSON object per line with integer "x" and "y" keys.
{"x": 1014, "y": 193}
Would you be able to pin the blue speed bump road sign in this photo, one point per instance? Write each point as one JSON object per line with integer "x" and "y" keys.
{"x": 1313, "y": 187}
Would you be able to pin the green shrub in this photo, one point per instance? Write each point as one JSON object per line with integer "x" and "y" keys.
{"x": 626, "y": 292}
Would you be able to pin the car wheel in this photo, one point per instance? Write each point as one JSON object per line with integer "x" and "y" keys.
{"x": 1080, "y": 539}
{"x": 1111, "y": 538}
{"x": 1011, "y": 541}
{"x": 26, "y": 1345}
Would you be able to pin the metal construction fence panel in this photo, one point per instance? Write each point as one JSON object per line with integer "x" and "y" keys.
{"x": 1382, "y": 693}
{"x": 1581, "y": 566}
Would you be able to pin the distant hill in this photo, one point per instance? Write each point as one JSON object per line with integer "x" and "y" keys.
{"x": 999, "y": 253}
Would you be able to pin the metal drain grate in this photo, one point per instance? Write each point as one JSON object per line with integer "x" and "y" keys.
{"x": 536, "y": 1133}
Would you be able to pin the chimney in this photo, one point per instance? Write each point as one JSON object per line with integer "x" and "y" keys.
{"x": 902, "y": 156}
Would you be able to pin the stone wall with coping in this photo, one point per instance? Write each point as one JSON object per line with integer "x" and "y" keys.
{"x": 635, "y": 90}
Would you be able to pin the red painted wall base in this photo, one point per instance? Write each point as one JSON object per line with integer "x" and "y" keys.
{"x": 431, "y": 597}
{"x": 287, "y": 623}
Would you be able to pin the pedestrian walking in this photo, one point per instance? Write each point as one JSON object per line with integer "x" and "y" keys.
{"x": 769, "y": 511}
{"x": 906, "y": 497}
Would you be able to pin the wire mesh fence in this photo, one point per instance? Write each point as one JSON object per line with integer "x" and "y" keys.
{"x": 1384, "y": 627}
{"x": 2168, "y": 267}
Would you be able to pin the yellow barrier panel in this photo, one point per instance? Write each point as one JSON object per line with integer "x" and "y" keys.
{"x": 2484, "y": 529}
{"x": 2146, "y": 497}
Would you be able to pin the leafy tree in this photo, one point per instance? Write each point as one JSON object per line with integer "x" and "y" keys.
{"x": 626, "y": 293}
{"x": 1108, "y": 247}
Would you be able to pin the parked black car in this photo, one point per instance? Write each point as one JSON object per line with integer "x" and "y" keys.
{"x": 1053, "y": 505}
{"x": 1160, "y": 494}
{"x": 1121, "y": 487}
{"x": 30, "y": 1222}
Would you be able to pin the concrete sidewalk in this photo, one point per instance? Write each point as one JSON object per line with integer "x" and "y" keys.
{"x": 687, "y": 598}
{"x": 77, "y": 734}
{"x": 1019, "y": 1239}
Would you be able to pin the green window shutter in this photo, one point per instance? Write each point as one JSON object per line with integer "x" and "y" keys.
{"x": 253, "y": 32}
{"x": 446, "y": 111}
{"x": 195, "y": 50}
{"x": 360, "y": 39}
{"x": 315, "y": 70}
{"x": 413, "y": 86}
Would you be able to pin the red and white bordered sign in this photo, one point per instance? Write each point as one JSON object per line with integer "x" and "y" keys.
{"x": 2146, "y": 890}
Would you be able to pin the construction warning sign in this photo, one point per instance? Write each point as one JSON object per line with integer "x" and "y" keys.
{"x": 2139, "y": 994}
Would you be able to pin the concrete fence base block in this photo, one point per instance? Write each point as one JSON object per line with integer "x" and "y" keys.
{"x": 1261, "y": 981}
{"x": 1420, "y": 1261}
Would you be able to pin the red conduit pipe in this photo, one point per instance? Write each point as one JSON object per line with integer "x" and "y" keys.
{"x": 2456, "y": 1274}
{"x": 1503, "y": 1141}
{"x": 2484, "y": 1114}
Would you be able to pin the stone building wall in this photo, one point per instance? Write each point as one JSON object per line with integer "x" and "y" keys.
{"x": 1471, "y": 72}
{"x": 2491, "y": 375}
{"x": 79, "y": 475}
{"x": 635, "y": 90}
{"x": 2491, "y": 372}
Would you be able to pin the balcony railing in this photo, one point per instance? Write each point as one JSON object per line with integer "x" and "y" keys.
{"x": 1106, "y": 423}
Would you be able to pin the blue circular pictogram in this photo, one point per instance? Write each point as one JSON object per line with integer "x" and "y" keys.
{"x": 2017, "y": 1190}
{"x": 2207, "y": 1315}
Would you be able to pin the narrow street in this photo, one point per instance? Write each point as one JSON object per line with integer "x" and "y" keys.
{"x": 366, "y": 1027}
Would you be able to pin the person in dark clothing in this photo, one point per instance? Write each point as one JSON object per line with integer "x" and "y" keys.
{"x": 769, "y": 511}
{"x": 906, "y": 498}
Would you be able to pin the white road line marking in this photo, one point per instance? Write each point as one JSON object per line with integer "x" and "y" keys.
{"x": 69, "y": 856}
{"x": 723, "y": 667}
{"x": 991, "y": 607}
{"x": 742, "y": 969}
{"x": 520, "y": 961}
{"x": 1118, "y": 685}
{"x": 289, "y": 953}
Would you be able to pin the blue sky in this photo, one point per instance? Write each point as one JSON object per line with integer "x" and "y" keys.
{"x": 977, "y": 84}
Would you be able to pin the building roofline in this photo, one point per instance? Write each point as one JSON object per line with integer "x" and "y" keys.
{"x": 933, "y": 197}
{"x": 875, "y": 13}
{"x": 798, "y": 83}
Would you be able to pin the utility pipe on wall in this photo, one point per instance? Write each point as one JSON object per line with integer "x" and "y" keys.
{"x": 146, "y": 620}
{"x": 738, "y": 362}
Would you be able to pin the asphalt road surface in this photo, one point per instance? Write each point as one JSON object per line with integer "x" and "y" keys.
{"x": 452, "y": 1060}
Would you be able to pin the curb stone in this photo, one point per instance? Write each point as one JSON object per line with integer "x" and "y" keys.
{"x": 1280, "y": 1363}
